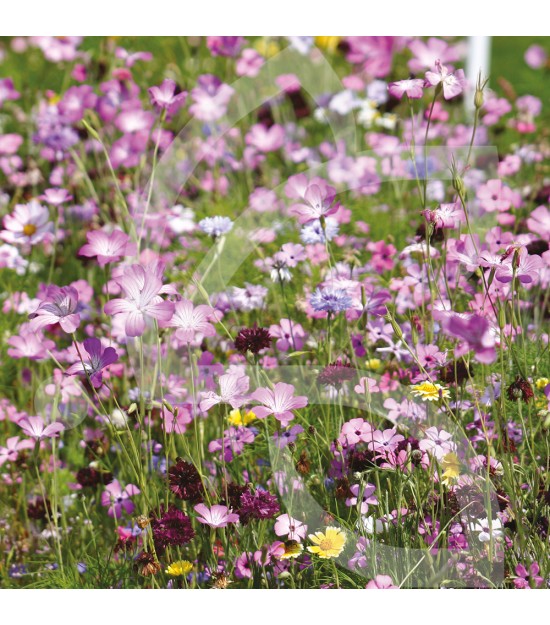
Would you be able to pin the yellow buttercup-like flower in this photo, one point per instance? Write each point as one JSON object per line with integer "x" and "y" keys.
{"x": 428, "y": 391}
{"x": 451, "y": 468}
{"x": 541, "y": 383}
{"x": 329, "y": 544}
{"x": 328, "y": 43}
{"x": 373, "y": 364}
{"x": 236, "y": 418}
{"x": 181, "y": 567}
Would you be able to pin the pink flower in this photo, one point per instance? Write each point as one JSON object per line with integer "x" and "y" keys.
{"x": 27, "y": 224}
{"x": 107, "y": 247}
{"x": 288, "y": 334}
{"x": 367, "y": 496}
{"x": 118, "y": 499}
{"x": 318, "y": 202}
{"x": 427, "y": 53}
{"x": 165, "y": 97}
{"x": 385, "y": 441}
{"x": 413, "y": 87}
{"x": 366, "y": 385}
{"x": 59, "y": 306}
{"x": 233, "y": 389}
{"x": 177, "y": 422}
{"x": 279, "y": 402}
{"x": 29, "y": 344}
{"x": 356, "y": 431}
{"x": 535, "y": 56}
{"x": 382, "y": 582}
{"x": 210, "y": 98}
{"x": 216, "y": 516}
{"x": 494, "y": 196}
{"x": 98, "y": 360}
{"x": 437, "y": 443}
{"x": 539, "y": 222}
{"x": 142, "y": 287}
{"x": 37, "y": 429}
{"x": 192, "y": 321}
{"x": 266, "y": 139}
{"x": 13, "y": 446}
{"x": 452, "y": 84}
{"x": 56, "y": 197}
{"x": 285, "y": 525}
{"x": 520, "y": 264}
{"x": 250, "y": 63}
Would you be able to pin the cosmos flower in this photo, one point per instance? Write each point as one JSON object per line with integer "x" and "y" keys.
{"x": 327, "y": 544}
{"x": 28, "y": 224}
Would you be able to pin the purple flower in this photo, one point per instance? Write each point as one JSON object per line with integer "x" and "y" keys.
{"x": 233, "y": 442}
{"x": 142, "y": 287}
{"x": 165, "y": 97}
{"x": 233, "y": 389}
{"x": 37, "y": 429}
{"x": 215, "y": 226}
{"x": 59, "y": 306}
{"x": 288, "y": 334}
{"x": 266, "y": 139}
{"x": 475, "y": 334}
{"x": 171, "y": 528}
{"x": 12, "y": 449}
{"x": 367, "y": 496}
{"x": 98, "y": 359}
{"x": 258, "y": 505}
{"x": 520, "y": 264}
{"x": 330, "y": 300}
{"x": 452, "y": 84}
{"x": 280, "y": 402}
{"x": 413, "y": 87}
{"x": 118, "y": 499}
{"x": 535, "y": 56}
{"x": 7, "y": 92}
{"x": 224, "y": 45}
{"x": 318, "y": 201}
{"x": 107, "y": 247}
{"x": 528, "y": 578}
{"x": 210, "y": 98}
{"x": 288, "y": 436}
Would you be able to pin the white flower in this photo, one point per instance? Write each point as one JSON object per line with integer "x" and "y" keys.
{"x": 486, "y": 528}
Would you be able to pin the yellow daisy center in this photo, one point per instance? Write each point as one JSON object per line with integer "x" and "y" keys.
{"x": 29, "y": 230}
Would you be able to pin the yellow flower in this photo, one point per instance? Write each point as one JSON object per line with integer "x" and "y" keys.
{"x": 328, "y": 43}
{"x": 267, "y": 47}
{"x": 541, "y": 383}
{"x": 292, "y": 550}
{"x": 428, "y": 391}
{"x": 181, "y": 567}
{"x": 451, "y": 466}
{"x": 328, "y": 545}
{"x": 236, "y": 418}
{"x": 373, "y": 364}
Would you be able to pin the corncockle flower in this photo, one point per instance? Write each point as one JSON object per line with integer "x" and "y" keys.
{"x": 165, "y": 97}
{"x": 279, "y": 402}
{"x": 215, "y": 226}
{"x": 142, "y": 287}
{"x": 366, "y": 386}
{"x": 437, "y": 443}
{"x": 249, "y": 63}
{"x": 99, "y": 358}
{"x": 27, "y": 224}
{"x": 7, "y": 91}
{"x": 107, "y": 247}
{"x": 382, "y": 582}
{"x": 232, "y": 443}
{"x": 56, "y": 197}
{"x": 118, "y": 499}
{"x": 475, "y": 334}
{"x": 536, "y": 57}
{"x": 521, "y": 265}
{"x": 222, "y": 45}
{"x": 445, "y": 216}
{"x": 330, "y": 300}
{"x": 487, "y": 529}
{"x": 356, "y": 431}
{"x": 216, "y": 516}
{"x": 266, "y": 139}
{"x": 452, "y": 84}
{"x": 59, "y": 306}
{"x": 318, "y": 202}
{"x": 192, "y": 321}
{"x": 528, "y": 578}
{"x": 383, "y": 441}
{"x": 427, "y": 53}
{"x": 289, "y": 334}
{"x": 130, "y": 58}
{"x": 539, "y": 222}
{"x": 233, "y": 389}
{"x": 291, "y": 254}
{"x": 29, "y": 344}
{"x": 413, "y": 87}
{"x": 37, "y": 429}
{"x": 494, "y": 196}
{"x": 210, "y": 98}
{"x": 249, "y": 298}
{"x": 13, "y": 446}
{"x": 285, "y": 525}
{"x": 367, "y": 496}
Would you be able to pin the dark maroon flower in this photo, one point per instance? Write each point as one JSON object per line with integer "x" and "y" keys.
{"x": 185, "y": 481}
{"x": 89, "y": 476}
{"x": 172, "y": 527}
{"x": 336, "y": 373}
{"x": 253, "y": 340}
{"x": 520, "y": 389}
{"x": 38, "y": 508}
{"x": 258, "y": 505}
{"x": 232, "y": 495}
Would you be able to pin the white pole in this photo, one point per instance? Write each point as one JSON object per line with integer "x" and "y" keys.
{"x": 479, "y": 59}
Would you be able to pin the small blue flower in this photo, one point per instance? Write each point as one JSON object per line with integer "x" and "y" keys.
{"x": 330, "y": 300}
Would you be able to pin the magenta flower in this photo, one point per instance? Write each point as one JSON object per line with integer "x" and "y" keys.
{"x": 192, "y": 321}
{"x": 7, "y": 91}
{"x": 118, "y": 499}
{"x": 107, "y": 247}
{"x": 318, "y": 202}
{"x": 383, "y": 441}
{"x": 13, "y": 446}
{"x": 357, "y": 431}
{"x": 210, "y": 98}
{"x": 232, "y": 443}
{"x": 143, "y": 301}
{"x": 59, "y": 306}
{"x": 528, "y": 578}
{"x": 216, "y": 516}
{"x": 288, "y": 334}
{"x": 27, "y": 224}
{"x": 37, "y": 429}
{"x": 413, "y": 87}
{"x": 520, "y": 264}
{"x": 233, "y": 389}
{"x": 475, "y": 334}
{"x": 266, "y": 139}
{"x": 98, "y": 359}
{"x": 452, "y": 84}
{"x": 382, "y": 582}
{"x": 285, "y": 525}
{"x": 165, "y": 97}
{"x": 279, "y": 402}
{"x": 367, "y": 496}
{"x": 427, "y": 53}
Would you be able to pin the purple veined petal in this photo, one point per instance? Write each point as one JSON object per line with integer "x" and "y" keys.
{"x": 135, "y": 324}
{"x": 70, "y": 323}
{"x": 53, "y": 429}
{"x": 109, "y": 357}
{"x": 116, "y": 306}
{"x": 162, "y": 311}
{"x": 262, "y": 411}
{"x": 210, "y": 399}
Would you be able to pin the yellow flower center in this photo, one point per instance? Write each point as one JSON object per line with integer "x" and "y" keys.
{"x": 29, "y": 230}
{"x": 326, "y": 544}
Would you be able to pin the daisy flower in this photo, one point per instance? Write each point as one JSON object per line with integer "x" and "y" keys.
{"x": 429, "y": 391}
{"x": 27, "y": 224}
{"x": 179, "y": 568}
{"x": 329, "y": 544}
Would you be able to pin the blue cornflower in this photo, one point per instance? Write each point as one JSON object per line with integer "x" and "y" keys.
{"x": 313, "y": 232}
{"x": 330, "y": 300}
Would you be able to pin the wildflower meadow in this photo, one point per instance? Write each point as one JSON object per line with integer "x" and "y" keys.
{"x": 274, "y": 313}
